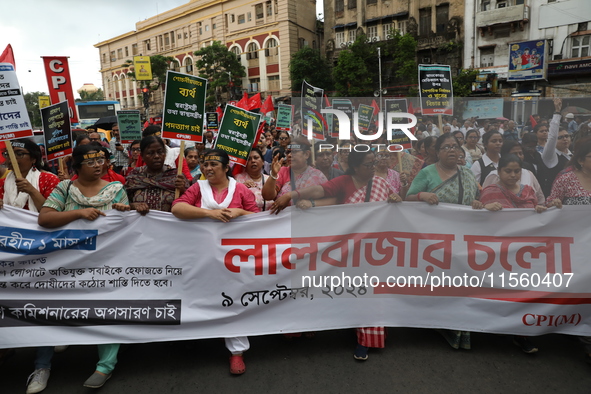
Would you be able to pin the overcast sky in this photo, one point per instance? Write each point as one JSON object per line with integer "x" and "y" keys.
{"x": 70, "y": 28}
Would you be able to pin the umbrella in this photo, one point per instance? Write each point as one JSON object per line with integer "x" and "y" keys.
{"x": 576, "y": 111}
{"x": 106, "y": 122}
{"x": 501, "y": 118}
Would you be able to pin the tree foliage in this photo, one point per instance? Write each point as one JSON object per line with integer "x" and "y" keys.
{"x": 401, "y": 50}
{"x": 308, "y": 64}
{"x": 216, "y": 63}
{"x": 92, "y": 96}
{"x": 32, "y": 103}
{"x": 159, "y": 64}
{"x": 357, "y": 71}
{"x": 462, "y": 83}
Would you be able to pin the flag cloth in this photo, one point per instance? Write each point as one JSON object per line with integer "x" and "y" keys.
{"x": 411, "y": 110}
{"x": 326, "y": 102}
{"x": 220, "y": 112}
{"x": 376, "y": 108}
{"x": 243, "y": 103}
{"x": 254, "y": 102}
{"x": 267, "y": 105}
{"x": 533, "y": 121}
{"x": 8, "y": 56}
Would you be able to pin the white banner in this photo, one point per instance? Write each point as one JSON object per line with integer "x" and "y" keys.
{"x": 14, "y": 118}
{"x": 126, "y": 278}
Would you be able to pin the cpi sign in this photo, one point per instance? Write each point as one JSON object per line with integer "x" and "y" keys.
{"x": 60, "y": 83}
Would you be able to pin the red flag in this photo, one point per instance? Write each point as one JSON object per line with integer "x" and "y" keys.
{"x": 8, "y": 56}
{"x": 220, "y": 112}
{"x": 533, "y": 121}
{"x": 411, "y": 110}
{"x": 267, "y": 105}
{"x": 243, "y": 103}
{"x": 326, "y": 102}
{"x": 376, "y": 108}
{"x": 254, "y": 102}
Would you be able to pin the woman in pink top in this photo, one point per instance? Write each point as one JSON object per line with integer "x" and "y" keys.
{"x": 218, "y": 197}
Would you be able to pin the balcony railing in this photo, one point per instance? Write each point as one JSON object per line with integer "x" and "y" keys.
{"x": 516, "y": 13}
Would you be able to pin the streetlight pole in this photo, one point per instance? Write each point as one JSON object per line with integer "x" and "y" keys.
{"x": 380, "y": 75}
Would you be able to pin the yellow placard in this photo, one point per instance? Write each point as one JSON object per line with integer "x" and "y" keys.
{"x": 143, "y": 69}
{"x": 44, "y": 101}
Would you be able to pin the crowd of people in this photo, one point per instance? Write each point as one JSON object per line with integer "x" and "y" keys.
{"x": 485, "y": 164}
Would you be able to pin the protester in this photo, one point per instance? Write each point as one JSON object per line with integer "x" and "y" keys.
{"x": 35, "y": 185}
{"x": 461, "y": 140}
{"x": 118, "y": 150}
{"x": 254, "y": 179}
{"x": 134, "y": 154}
{"x": 219, "y": 197}
{"x": 446, "y": 182}
{"x": 324, "y": 159}
{"x": 153, "y": 185}
{"x": 430, "y": 152}
{"x": 192, "y": 158}
{"x": 342, "y": 156}
{"x": 472, "y": 146}
{"x": 299, "y": 174}
{"x": 574, "y": 187}
{"x": 493, "y": 142}
{"x": 284, "y": 139}
{"x": 397, "y": 182}
{"x": 87, "y": 198}
{"x": 360, "y": 184}
{"x": 541, "y": 131}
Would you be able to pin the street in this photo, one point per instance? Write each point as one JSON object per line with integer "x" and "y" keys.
{"x": 414, "y": 361}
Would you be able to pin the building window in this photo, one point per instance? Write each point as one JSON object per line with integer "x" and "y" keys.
{"x": 236, "y": 51}
{"x": 580, "y": 46}
{"x": 252, "y": 51}
{"x": 258, "y": 11}
{"x": 172, "y": 37}
{"x": 386, "y": 30}
{"x": 402, "y": 27}
{"x": 119, "y": 53}
{"x": 487, "y": 57}
{"x": 372, "y": 32}
{"x": 213, "y": 26}
{"x": 442, "y": 17}
{"x": 368, "y": 2}
{"x": 104, "y": 57}
{"x": 241, "y": 19}
{"x": 352, "y": 35}
{"x": 582, "y": 26}
{"x": 253, "y": 84}
{"x": 352, "y": 4}
{"x": 339, "y": 5}
{"x": 485, "y": 5}
{"x": 425, "y": 22}
{"x": 232, "y": 18}
{"x": 269, "y": 8}
{"x": 147, "y": 45}
{"x": 134, "y": 49}
{"x": 206, "y": 27}
{"x": 249, "y": 16}
{"x": 339, "y": 38}
{"x": 276, "y": 6}
{"x": 126, "y": 51}
{"x": 271, "y": 49}
{"x": 501, "y": 4}
{"x": 502, "y": 32}
{"x": 519, "y": 2}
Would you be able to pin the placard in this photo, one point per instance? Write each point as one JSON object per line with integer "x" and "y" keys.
{"x": 57, "y": 130}
{"x": 14, "y": 118}
{"x": 237, "y": 133}
{"x": 284, "y": 117}
{"x": 435, "y": 88}
{"x": 130, "y": 125}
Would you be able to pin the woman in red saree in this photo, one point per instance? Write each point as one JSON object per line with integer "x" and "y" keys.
{"x": 358, "y": 185}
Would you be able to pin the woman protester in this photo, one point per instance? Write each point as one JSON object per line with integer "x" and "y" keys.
{"x": 30, "y": 191}
{"x": 446, "y": 182}
{"x": 472, "y": 146}
{"x": 153, "y": 185}
{"x": 430, "y": 152}
{"x": 284, "y": 139}
{"x": 397, "y": 182}
{"x": 512, "y": 147}
{"x": 192, "y": 159}
{"x": 493, "y": 142}
{"x": 134, "y": 154}
{"x": 360, "y": 184}
{"x": 297, "y": 175}
{"x": 324, "y": 159}
{"x": 219, "y": 197}
{"x": 87, "y": 198}
{"x": 254, "y": 179}
{"x": 342, "y": 156}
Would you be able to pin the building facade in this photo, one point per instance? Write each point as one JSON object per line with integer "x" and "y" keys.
{"x": 436, "y": 24}
{"x": 263, "y": 33}
{"x": 565, "y": 25}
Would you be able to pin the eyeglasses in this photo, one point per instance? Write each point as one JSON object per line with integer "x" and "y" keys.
{"x": 564, "y": 137}
{"x": 369, "y": 165}
{"x": 473, "y": 137}
{"x": 94, "y": 139}
{"x": 136, "y": 150}
{"x": 19, "y": 155}
{"x": 94, "y": 162}
{"x": 447, "y": 148}
{"x": 152, "y": 153}
{"x": 283, "y": 138}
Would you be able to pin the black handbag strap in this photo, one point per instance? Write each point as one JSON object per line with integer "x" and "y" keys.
{"x": 368, "y": 192}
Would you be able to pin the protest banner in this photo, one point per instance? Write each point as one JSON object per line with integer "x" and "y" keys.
{"x": 184, "y": 107}
{"x": 343, "y": 105}
{"x": 59, "y": 83}
{"x": 14, "y": 118}
{"x": 142, "y": 68}
{"x": 57, "y": 131}
{"x": 97, "y": 282}
{"x": 212, "y": 121}
{"x": 398, "y": 106}
{"x": 483, "y": 108}
{"x": 237, "y": 133}
{"x": 284, "y": 117}
{"x": 130, "y": 126}
{"x": 435, "y": 90}
{"x": 364, "y": 116}
{"x": 311, "y": 105}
